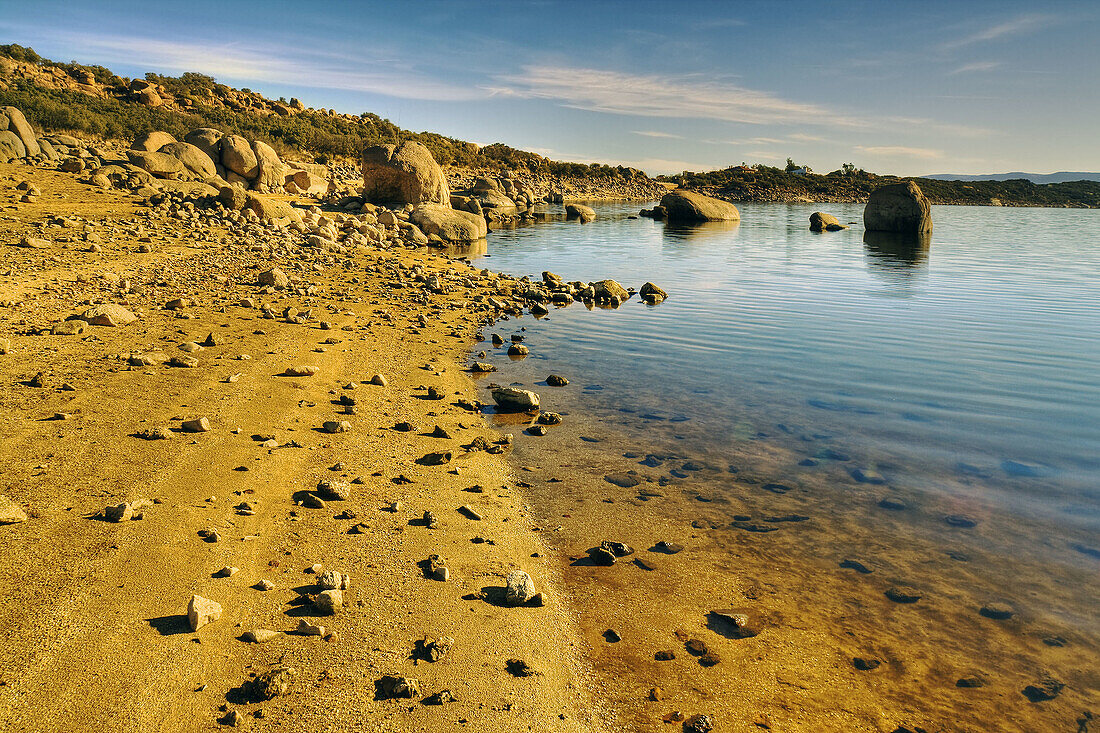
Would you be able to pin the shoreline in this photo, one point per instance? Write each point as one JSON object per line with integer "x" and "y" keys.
{"x": 97, "y": 607}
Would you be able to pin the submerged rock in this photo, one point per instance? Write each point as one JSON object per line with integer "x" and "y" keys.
{"x": 898, "y": 207}
{"x": 688, "y": 206}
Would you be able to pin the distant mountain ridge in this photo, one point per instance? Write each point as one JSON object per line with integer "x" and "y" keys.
{"x": 1059, "y": 177}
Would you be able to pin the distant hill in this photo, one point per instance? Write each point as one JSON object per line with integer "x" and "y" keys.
{"x": 1059, "y": 177}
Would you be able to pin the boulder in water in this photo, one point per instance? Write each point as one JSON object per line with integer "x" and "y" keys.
{"x": 822, "y": 222}
{"x": 898, "y": 207}
{"x": 680, "y": 205}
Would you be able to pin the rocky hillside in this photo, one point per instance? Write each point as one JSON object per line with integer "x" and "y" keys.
{"x": 92, "y": 101}
{"x": 762, "y": 183}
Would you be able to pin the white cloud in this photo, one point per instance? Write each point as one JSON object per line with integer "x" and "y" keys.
{"x": 659, "y": 95}
{"x": 311, "y": 68}
{"x": 655, "y": 133}
{"x": 900, "y": 151}
{"x": 1016, "y": 26}
{"x": 975, "y": 66}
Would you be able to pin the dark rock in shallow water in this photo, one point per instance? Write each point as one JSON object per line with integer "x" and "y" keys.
{"x": 867, "y": 476}
{"x": 997, "y": 611}
{"x": 892, "y": 503}
{"x": 961, "y": 520}
{"x": 856, "y": 565}
{"x": 734, "y": 623}
{"x": 903, "y": 594}
{"x": 618, "y": 549}
{"x": 865, "y": 665}
{"x": 972, "y": 680}
{"x": 1047, "y": 688}
{"x": 898, "y": 207}
{"x": 668, "y": 548}
{"x": 555, "y": 380}
{"x": 1023, "y": 470}
{"x": 623, "y": 480}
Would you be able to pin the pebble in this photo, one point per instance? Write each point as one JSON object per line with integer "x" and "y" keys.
{"x": 264, "y": 585}
{"x": 260, "y": 636}
{"x": 305, "y": 628}
{"x": 301, "y": 370}
{"x": 198, "y": 425}
{"x": 1046, "y": 688}
{"x": 10, "y": 512}
{"x": 378, "y": 380}
{"x": 997, "y": 611}
{"x": 903, "y": 594}
{"x": 469, "y": 512}
{"x": 226, "y": 572}
{"x": 332, "y": 580}
{"x": 393, "y": 686}
{"x": 555, "y": 380}
{"x": 519, "y": 588}
{"x": 337, "y": 426}
{"x": 202, "y": 611}
{"x": 329, "y": 602}
{"x": 273, "y": 683}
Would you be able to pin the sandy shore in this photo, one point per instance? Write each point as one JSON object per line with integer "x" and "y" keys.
{"x": 93, "y": 627}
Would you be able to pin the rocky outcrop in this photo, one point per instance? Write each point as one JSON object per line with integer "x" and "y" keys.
{"x": 450, "y": 225}
{"x": 238, "y": 157}
{"x": 152, "y": 141}
{"x": 403, "y": 174}
{"x": 197, "y": 163}
{"x": 208, "y": 140}
{"x": 11, "y": 147}
{"x": 271, "y": 172}
{"x": 680, "y": 205}
{"x": 822, "y": 222}
{"x": 898, "y": 207}
{"x": 18, "y": 124}
{"x": 160, "y": 165}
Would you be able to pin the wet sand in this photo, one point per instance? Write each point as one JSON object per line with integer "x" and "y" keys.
{"x": 790, "y": 545}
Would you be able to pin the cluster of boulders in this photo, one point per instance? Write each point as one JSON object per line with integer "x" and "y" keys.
{"x": 218, "y": 159}
{"x": 497, "y": 200}
{"x": 18, "y": 141}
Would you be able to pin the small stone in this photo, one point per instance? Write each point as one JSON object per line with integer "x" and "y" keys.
{"x": 518, "y": 668}
{"x": 329, "y": 602}
{"x": 518, "y": 350}
{"x": 612, "y": 637}
{"x": 699, "y": 724}
{"x": 865, "y": 665}
{"x": 198, "y": 425}
{"x": 555, "y": 380}
{"x": 202, "y": 611}
{"x": 312, "y": 501}
{"x": 436, "y": 568}
{"x": 430, "y": 520}
{"x": 997, "y": 611}
{"x": 378, "y": 380}
{"x": 393, "y": 686}
{"x": 1047, "y": 688}
{"x": 432, "y": 650}
{"x": 469, "y": 512}
{"x": 264, "y": 585}
{"x": 10, "y": 512}
{"x": 972, "y": 681}
{"x": 439, "y": 698}
{"x": 301, "y": 370}
{"x": 903, "y": 594}
{"x": 656, "y": 694}
{"x": 668, "y": 548}
{"x": 305, "y": 628}
{"x": 519, "y": 588}
{"x": 260, "y": 636}
{"x": 337, "y": 426}
{"x": 332, "y": 580}
{"x": 227, "y": 572}
{"x": 119, "y": 512}
{"x": 232, "y": 719}
{"x": 893, "y": 503}
{"x": 273, "y": 683}
{"x": 665, "y": 655}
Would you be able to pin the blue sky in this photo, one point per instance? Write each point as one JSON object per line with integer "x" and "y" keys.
{"x": 907, "y": 88}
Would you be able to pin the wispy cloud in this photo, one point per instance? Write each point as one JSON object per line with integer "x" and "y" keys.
{"x": 307, "y": 67}
{"x": 900, "y": 151}
{"x": 658, "y": 95}
{"x": 656, "y": 133}
{"x": 1016, "y": 26}
{"x": 975, "y": 67}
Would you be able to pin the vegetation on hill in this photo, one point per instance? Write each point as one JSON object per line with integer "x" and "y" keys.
{"x": 766, "y": 183}
{"x": 320, "y": 134}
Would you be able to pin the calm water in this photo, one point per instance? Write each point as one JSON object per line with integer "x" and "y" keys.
{"x": 972, "y": 366}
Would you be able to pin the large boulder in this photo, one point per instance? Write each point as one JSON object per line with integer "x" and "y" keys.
{"x": 680, "y": 205}
{"x": 107, "y": 314}
{"x": 237, "y": 156}
{"x": 11, "y": 147}
{"x": 494, "y": 201}
{"x": 822, "y": 222}
{"x": 208, "y": 140}
{"x": 271, "y": 176}
{"x": 152, "y": 141}
{"x": 309, "y": 183}
{"x": 898, "y": 207}
{"x": 18, "y": 124}
{"x": 403, "y": 174}
{"x": 233, "y": 198}
{"x": 272, "y": 210}
{"x": 579, "y": 211}
{"x": 160, "y": 165}
{"x": 193, "y": 159}
{"x": 449, "y": 224}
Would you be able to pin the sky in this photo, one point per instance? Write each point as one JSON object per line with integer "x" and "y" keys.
{"x": 906, "y": 88}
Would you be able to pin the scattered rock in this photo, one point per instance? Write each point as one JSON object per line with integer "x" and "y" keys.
{"x": 260, "y": 636}
{"x": 108, "y": 314}
{"x": 519, "y": 589}
{"x": 903, "y": 594}
{"x": 512, "y": 399}
{"x": 997, "y": 611}
{"x": 329, "y": 602}
{"x": 202, "y": 611}
{"x": 336, "y": 426}
{"x": 198, "y": 425}
{"x": 555, "y": 380}
{"x": 305, "y": 628}
{"x": 301, "y": 370}
{"x": 10, "y": 512}
{"x": 1046, "y": 688}
{"x": 273, "y": 683}
{"x": 393, "y": 686}
{"x": 822, "y": 222}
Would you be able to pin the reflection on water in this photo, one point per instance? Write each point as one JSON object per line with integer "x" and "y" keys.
{"x": 700, "y": 231}
{"x": 891, "y": 249}
{"x": 467, "y": 250}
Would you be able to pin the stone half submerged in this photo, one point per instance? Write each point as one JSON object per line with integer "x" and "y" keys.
{"x": 688, "y": 206}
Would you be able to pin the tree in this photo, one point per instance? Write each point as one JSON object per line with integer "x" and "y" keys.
{"x": 849, "y": 169}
